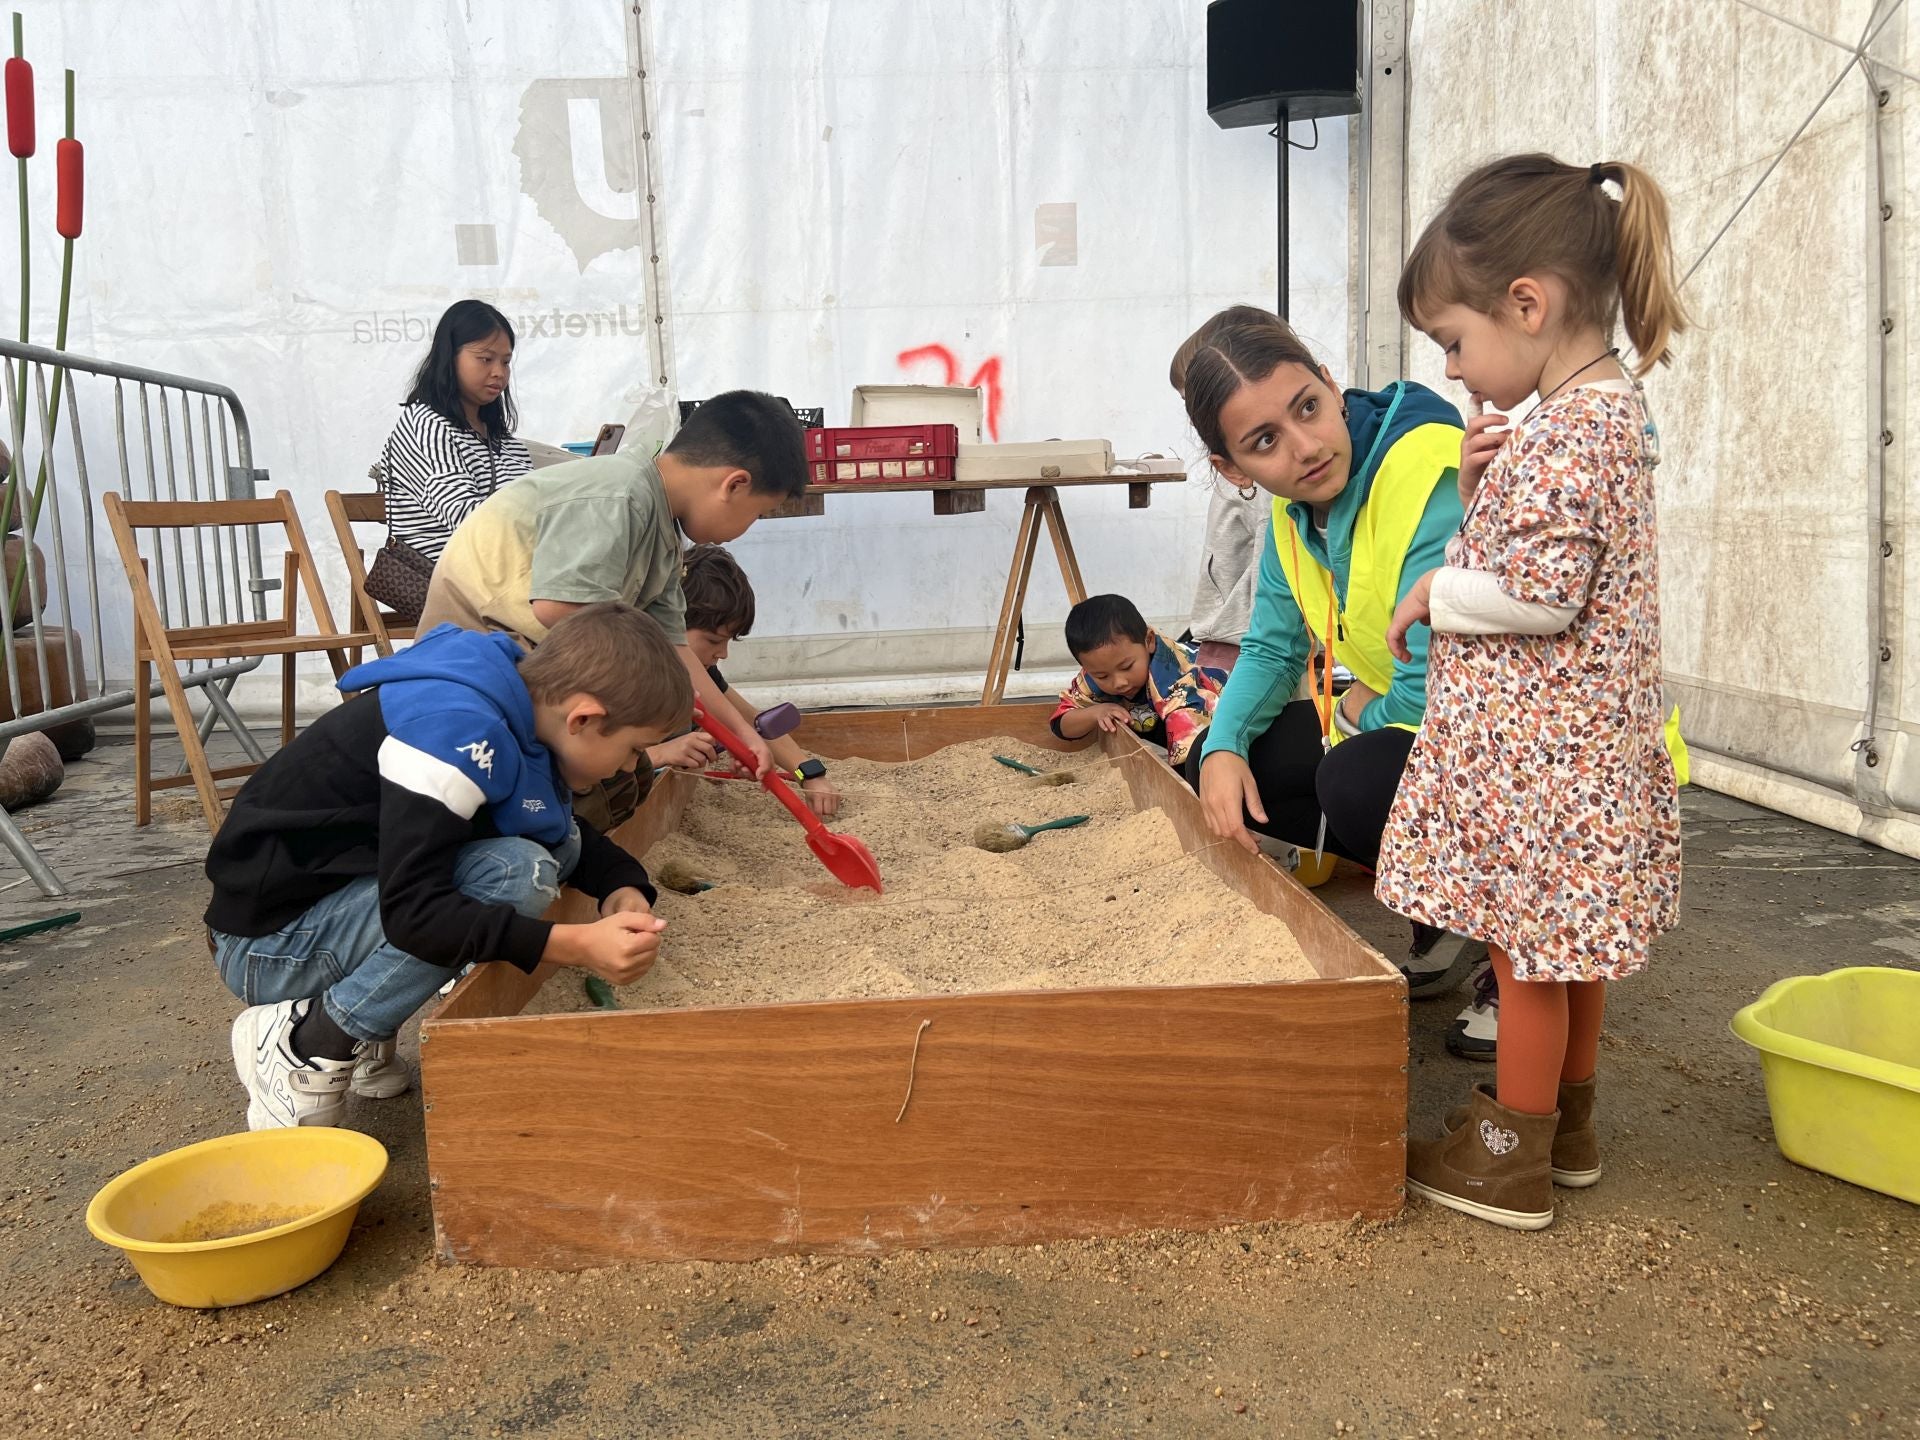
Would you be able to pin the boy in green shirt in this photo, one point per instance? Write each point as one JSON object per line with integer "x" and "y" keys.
{"x": 609, "y": 527}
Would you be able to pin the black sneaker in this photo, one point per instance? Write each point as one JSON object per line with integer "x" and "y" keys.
{"x": 1438, "y": 960}
{"x": 1476, "y": 1030}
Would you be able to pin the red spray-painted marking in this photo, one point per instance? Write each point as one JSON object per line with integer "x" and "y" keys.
{"x": 987, "y": 377}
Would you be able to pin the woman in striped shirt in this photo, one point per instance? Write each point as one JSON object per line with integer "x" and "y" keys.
{"x": 454, "y": 445}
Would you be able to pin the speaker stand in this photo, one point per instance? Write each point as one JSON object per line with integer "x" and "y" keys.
{"x": 1280, "y": 132}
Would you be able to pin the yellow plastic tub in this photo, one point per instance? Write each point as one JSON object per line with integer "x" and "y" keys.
{"x": 240, "y": 1218}
{"x": 1313, "y": 873}
{"x": 1841, "y": 1056}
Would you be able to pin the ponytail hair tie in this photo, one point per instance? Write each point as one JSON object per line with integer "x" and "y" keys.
{"x": 1596, "y": 174}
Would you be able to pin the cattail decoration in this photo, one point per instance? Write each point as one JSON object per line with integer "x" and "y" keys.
{"x": 70, "y": 170}
{"x": 69, "y": 160}
{"x": 20, "y": 141}
{"x": 19, "y": 108}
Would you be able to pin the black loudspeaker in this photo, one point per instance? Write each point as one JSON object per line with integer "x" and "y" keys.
{"x": 1269, "y": 60}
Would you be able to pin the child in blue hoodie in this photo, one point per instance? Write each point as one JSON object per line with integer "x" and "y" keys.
{"x": 426, "y": 825}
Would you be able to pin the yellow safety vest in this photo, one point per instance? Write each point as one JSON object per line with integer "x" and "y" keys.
{"x": 1382, "y": 533}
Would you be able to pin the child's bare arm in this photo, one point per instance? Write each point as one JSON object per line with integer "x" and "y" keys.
{"x": 821, "y": 796}
{"x": 551, "y": 612}
{"x": 693, "y": 751}
{"x": 779, "y": 748}
{"x": 1082, "y": 721}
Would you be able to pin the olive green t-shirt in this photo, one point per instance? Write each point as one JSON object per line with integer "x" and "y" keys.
{"x": 598, "y": 528}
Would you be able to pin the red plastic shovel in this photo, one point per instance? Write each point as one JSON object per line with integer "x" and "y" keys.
{"x": 849, "y": 860}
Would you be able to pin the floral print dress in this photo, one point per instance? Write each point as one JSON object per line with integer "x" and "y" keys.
{"x": 1538, "y": 810}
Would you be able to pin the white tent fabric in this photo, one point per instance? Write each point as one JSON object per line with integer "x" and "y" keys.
{"x": 807, "y": 196}
{"x": 1784, "y": 555}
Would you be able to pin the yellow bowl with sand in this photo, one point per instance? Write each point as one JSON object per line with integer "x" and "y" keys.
{"x": 240, "y": 1218}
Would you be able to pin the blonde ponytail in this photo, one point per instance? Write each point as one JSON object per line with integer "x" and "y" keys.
{"x": 1531, "y": 214}
{"x": 1650, "y": 306}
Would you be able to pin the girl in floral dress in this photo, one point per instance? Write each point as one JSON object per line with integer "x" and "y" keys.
{"x": 1538, "y": 811}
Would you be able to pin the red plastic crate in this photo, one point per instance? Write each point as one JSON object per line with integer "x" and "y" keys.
{"x": 878, "y": 454}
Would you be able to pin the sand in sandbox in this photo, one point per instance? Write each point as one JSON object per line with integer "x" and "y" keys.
{"x": 1111, "y": 902}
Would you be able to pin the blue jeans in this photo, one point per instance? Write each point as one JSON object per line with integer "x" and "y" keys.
{"x": 336, "y": 949}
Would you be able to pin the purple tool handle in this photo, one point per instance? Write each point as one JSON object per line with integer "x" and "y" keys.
{"x": 780, "y": 720}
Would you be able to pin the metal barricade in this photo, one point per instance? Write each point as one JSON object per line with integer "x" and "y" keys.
{"x": 56, "y": 672}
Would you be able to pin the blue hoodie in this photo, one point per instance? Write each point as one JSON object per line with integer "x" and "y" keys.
{"x": 460, "y": 728}
{"x": 1273, "y": 653}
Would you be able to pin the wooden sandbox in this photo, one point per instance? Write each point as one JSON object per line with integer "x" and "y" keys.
{"x": 737, "y": 1132}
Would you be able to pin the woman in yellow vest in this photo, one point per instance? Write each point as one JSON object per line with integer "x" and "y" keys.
{"x": 1366, "y": 496}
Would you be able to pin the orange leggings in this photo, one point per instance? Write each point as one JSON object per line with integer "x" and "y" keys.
{"x": 1549, "y": 1032}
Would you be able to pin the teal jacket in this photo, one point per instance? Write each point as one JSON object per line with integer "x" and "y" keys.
{"x": 1273, "y": 654}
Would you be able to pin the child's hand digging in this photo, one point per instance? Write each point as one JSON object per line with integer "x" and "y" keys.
{"x": 619, "y": 949}
{"x": 692, "y": 751}
{"x": 821, "y": 797}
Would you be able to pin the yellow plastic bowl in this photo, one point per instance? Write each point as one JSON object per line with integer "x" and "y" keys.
{"x": 1840, "y": 1053}
{"x": 234, "y": 1220}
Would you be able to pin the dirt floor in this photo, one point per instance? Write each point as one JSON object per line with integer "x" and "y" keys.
{"x": 1706, "y": 1287}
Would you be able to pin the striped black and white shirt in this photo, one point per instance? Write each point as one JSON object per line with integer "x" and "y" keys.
{"x": 438, "y": 473}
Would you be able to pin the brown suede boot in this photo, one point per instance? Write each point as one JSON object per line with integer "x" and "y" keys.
{"x": 1497, "y": 1166}
{"x": 1576, "y": 1146}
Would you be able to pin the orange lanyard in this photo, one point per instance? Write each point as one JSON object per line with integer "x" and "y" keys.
{"x": 1323, "y": 701}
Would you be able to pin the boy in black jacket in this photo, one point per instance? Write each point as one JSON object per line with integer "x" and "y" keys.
{"x": 424, "y": 826}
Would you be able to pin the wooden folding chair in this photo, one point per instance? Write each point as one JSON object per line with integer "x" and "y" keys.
{"x": 364, "y": 612}
{"x": 167, "y": 633}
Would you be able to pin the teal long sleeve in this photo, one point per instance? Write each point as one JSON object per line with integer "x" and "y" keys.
{"x": 1273, "y": 654}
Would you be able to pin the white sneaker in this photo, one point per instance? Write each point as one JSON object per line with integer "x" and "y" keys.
{"x": 1438, "y": 960}
{"x": 378, "y": 1073}
{"x": 1475, "y": 1033}
{"x": 282, "y": 1089}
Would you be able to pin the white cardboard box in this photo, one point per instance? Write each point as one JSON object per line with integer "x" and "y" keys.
{"x": 1153, "y": 465}
{"x": 1037, "y": 460}
{"x": 961, "y": 405}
